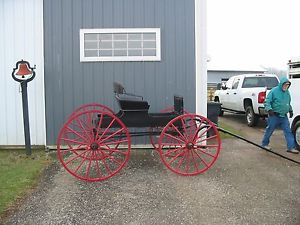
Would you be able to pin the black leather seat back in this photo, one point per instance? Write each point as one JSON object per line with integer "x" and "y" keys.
{"x": 118, "y": 88}
{"x": 127, "y": 101}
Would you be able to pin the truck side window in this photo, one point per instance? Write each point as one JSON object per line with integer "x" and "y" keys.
{"x": 235, "y": 83}
{"x": 251, "y": 82}
{"x": 229, "y": 83}
{"x": 268, "y": 82}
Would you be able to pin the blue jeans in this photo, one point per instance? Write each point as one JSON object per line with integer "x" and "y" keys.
{"x": 284, "y": 124}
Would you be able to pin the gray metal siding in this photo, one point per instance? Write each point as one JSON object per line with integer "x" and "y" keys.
{"x": 70, "y": 83}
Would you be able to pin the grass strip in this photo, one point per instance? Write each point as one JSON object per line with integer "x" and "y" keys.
{"x": 228, "y": 128}
{"x": 19, "y": 174}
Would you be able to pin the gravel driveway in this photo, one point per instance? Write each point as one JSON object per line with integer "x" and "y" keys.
{"x": 245, "y": 186}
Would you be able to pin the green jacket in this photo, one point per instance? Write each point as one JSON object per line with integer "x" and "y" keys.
{"x": 278, "y": 100}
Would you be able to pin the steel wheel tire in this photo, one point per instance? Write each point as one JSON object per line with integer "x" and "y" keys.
{"x": 93, "y": 145}
{"x": 91, "y": 106}
{"x": 189, "y": 144}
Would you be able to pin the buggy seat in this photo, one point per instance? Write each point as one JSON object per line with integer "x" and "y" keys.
{"x": 127, "y": 101}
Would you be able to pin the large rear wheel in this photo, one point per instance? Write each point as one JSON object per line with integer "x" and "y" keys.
{"x": 189, "y": 144}
{"x": 93, "y": 145}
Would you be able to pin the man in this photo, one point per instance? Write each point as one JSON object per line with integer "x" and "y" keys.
{"x": 278, "y": 104}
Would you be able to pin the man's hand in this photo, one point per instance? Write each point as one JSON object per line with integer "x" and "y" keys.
{"x": 291, "y": 114}
{"x": 271, "y": 113}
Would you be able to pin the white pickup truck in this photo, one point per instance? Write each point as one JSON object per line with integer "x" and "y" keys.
{"x": 246, "y": 93}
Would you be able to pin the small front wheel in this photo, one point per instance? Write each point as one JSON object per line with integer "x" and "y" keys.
{"x": 251, "y": 117}
{"x": 189, "y": 144}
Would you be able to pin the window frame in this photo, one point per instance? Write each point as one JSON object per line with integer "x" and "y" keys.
{"x": 84, "y": 58}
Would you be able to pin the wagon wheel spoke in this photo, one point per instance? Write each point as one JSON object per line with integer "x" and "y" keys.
{"x": 99, "y": 125}
{"x": 80, "y": 164}
{"x": 78, "y": 133}
{"x": 75, "y": 157}
{"x": 83, "y": 127}
{"x": 207, "y": 139}
{"x": 72, "y": 149}
{"x": 89, "y": 154}
{"x": 171, "y": 139}
{"x": 73, "y": 141}
{"x": 205, "y": 130}
{"x": 199, "y": 150}
{"x": 111, "y": 135}
{"x": 195, "y": 162}
{"x": 201, "y": 158}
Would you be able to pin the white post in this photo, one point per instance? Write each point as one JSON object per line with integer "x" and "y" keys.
{"x": 201, "y": 57}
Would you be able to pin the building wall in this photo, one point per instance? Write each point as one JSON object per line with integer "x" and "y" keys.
{"x": 70, "y": 83}
{"x": 21, "y": 37}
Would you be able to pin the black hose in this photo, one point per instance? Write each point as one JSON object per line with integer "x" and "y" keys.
{"x": 257, "y": 145}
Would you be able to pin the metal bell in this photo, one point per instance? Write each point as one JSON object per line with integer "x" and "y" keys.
{"x": 23, "y": 70}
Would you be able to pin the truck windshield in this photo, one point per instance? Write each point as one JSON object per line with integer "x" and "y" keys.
{"x": 251, "y": 82}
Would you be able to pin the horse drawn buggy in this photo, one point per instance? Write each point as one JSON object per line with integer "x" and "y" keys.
{"x": 94, "y": 143}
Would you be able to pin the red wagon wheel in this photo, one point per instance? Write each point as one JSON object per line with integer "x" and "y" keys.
{"x": 93, "y": 145}
{"x": 189, "y": 144}
{"x": 91, "y": 106}
{"x": 154, "y": 137}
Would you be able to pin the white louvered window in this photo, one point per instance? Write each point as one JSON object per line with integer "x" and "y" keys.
{"x": 132, "y": 44}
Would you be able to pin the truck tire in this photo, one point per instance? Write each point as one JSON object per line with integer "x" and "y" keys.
{"x": 296, "y": 132}
{"x": 251, "y": 117}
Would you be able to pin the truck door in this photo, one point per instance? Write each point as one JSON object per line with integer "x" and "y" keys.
{"x": 233, "y": 95}
{"x": 225, "y": 94}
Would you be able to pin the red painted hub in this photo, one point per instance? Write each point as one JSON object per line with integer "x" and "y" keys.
{"x": 189, "y": 145}
{"x": 94, "y": 146}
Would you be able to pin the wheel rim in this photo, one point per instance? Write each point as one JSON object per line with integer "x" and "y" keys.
{"x": 157, "y": 130}
{"x": 91, "y": 106}
{"x": 93, "y": 145}
{"x": 189, "y": 144}
{"x": 249, "y": 117}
